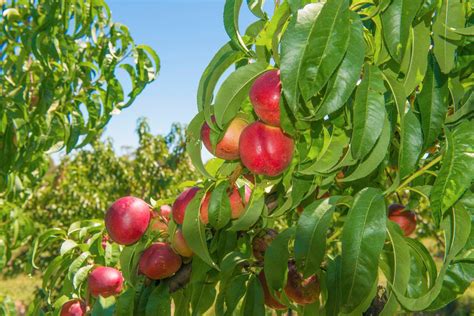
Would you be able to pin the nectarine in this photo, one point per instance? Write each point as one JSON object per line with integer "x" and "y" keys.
{"x": 179, "y": 206}
{"x": 265, "y": 97}
{"x": 127, "y": 220}
{"x": 105, "y": 281}
{"x": 73, "y": 308}
{"x": 265, "y": 149}
{"x": 159, "y": 261}
{"x": 228, "y": 147}
{"x": 300, "y": 290}
{"x": 406, "y": 219}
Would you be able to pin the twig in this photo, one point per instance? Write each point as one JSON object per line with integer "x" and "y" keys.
{"x": 419, "y": 172}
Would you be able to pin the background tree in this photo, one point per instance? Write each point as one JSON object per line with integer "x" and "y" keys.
{"x": 59, "y": 88}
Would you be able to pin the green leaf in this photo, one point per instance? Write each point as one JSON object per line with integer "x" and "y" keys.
{"x": 458, "y": 278}
{"x": 334, "y": 286}
{"x": 104, "y": 306}
{"x": 418, "y": 62}
{"x": 374, "y": 158}
{"x": 234, "y": 292}
{"x": 253, "y": 303}
{"x": 330, "y": 154}
{"x": 125, "y": 303}
{"x": 345, "y": 79}
{"x": 77, "y": 263}
{"x": 444, "y": 41}
{"x": 234, "y": 91}
{"x": 457, "y": 225}
{"x": 363, "y": 236}
{"x": 411, "y": 143}
{"x": 327, "y": 44}
{"x": 159, "y": 301}
{"x": 194, "y": 143}
{"x": 310, "y": 240}
{"x": 396, "y": 21}
{"x": 67, "y": 246}
{"x": 400, "y": 271}
{"x": 398, "y": 91}
{"x": 81, "y": 275}
{"x": 368, "y": 112}
{"x": 231, "y": 24}
{"x": 276, "y": 259}
{"x": 222, "y": 60}
{"x": 194, "y": 230}
{"x": 219, "y": 206}
{"x": 432, "y": 102}
{"x": 256, "y": 7}
{"x": 252, "y": 212}
{"x": 468, "y": 31}
{"x": 294, "y": 45}
{"x": 466, "y": 109}
{"x": 455, "y": 175}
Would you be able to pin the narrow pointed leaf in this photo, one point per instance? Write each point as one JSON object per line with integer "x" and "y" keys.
{"x": 368, "y": 112}
{"x": 294, "y": 45}
{"x": 410, "y": 144}
{"x": 310, "y": 240}
{"x": 231, "y": 24}
{"x": 194, "y": 230}
{"x": 234, "y": 91}
{"x": 327, "y": 46}
{"x": 363, "y": 236}
{"x": 345, "y": 78}
{"x": 432, "y": 102}
{"x": 396, "y": 21}
{"x": 456, "y": 173}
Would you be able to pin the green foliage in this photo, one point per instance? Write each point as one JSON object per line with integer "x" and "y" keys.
{"x": 377, "y": 115}
{"x": 84, "y": 185}
{"x": 59, "y": 63}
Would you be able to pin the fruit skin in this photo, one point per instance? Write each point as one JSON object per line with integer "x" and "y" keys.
{"x": 73, "y": 308}
{"x": 261, "y": 242}
{"x": 180, "y": 245}
{"x": 237, "y": 206}
{"x": 159, "y": 261}
{"x": 265, "y": 149}
{"x": 406, "y": 219}
{"x": 270, "y": 301}
{"x": 228, "y": 147}
{"x": 105, "y": 281}
{"x": 299, "y": 290}
{"x": 127, "y": 220}
{"x": 160, "y": 219}
{"x": 265, "y": 97}
{"x": 179, "y": 206}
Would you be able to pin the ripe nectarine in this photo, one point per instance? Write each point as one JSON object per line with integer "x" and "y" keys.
{"x": 105, "y": 281}
{"x": 228, "y": 147}
{"x": 159, "y": 261}
{"x": 179, "y": 206}
{"x": 265, "y": 149}
{"x": 265, "y": 97}
{"x": 127, "y": 220}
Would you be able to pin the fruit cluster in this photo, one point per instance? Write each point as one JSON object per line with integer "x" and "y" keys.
{"x": 262, "y": 146}
{"x": 264, "y": 149}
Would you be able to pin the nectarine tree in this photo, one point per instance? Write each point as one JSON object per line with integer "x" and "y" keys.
{"x": 343, "y": 102}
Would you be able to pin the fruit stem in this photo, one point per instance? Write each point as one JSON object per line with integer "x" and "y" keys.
{"x": 235, "y": 174}
{"x": 334, "y": 236}
{"x": 419, "y": 172}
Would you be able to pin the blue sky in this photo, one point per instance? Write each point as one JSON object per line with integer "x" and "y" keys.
{"x": 185, "y": 34}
